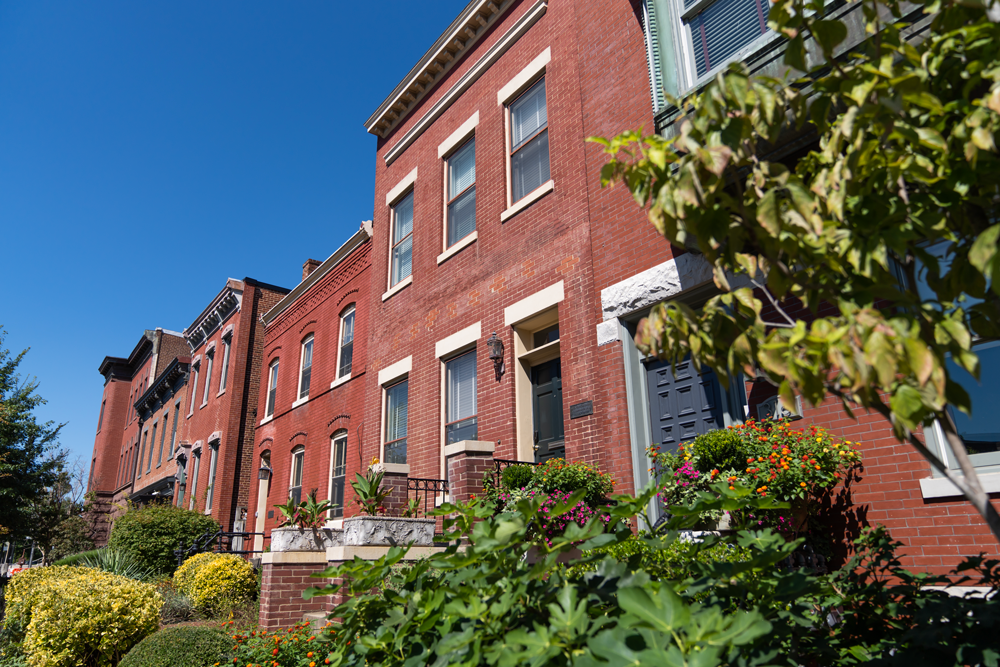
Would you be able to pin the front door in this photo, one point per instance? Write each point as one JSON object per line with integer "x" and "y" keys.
{"x": 684, "y": 406}
{"x": 547, "y": 410}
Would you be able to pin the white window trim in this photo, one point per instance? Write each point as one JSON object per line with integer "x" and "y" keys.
{"x": 397, "y": 468}
{"x": 408, "y": 190}
{"x": 396, "y": 371}
{"x": 213, "y": 462}
{"x": 459, "y": 136}
{"x": 528, "y": 199}
{"x": 941, "y": 487}
{"x": 447, "y": 347}
{"x": 340, "y": 433}
{"x": 268, "y": 406}
{"x": 340, "y": 344}
{"x": 405, "y": 282}
{"x": 400, "y": 189}
{"x": 341, "y": 380}
{"x": 459, "y": 245}
{"x": 298, "y": 449}
{"x": 194, "y": 388}
{"x": 227, "y": 343}
{"x": 523, "y": 80}
{"x": 533, "y": 305}
{"x": 207, "y": 389}
{"x": 299, "y": 400}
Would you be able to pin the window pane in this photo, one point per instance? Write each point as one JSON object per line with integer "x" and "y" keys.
{"x": 724, "y": 28}
{"x": 306, "y": 376}
{"x": 462, "y": 169}
{"x": 395, "y": 427}
{"x": 403, "y": 218}
{"x": 402, "y": 259}
{"x": 463, "y": 430}
{"x": 348, "y": 328}
{"x": 461, "y": 384}
{"x": 307, "y": 354}
{"x": 528, "y": 115}
{"x": 297, "y": 459}
{"x": 462, "y": 216}
{"x": 529, "y": 167}
{"x": 981, "y": 431}
{"x": 225, "y": 364}
{"x": 346, "y": 359}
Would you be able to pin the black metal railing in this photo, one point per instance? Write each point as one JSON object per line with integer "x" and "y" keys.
{"x": 219, "y": 541}
{"x": 427, "y": 491}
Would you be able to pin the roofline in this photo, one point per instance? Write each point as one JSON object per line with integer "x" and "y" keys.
{"x": 267, "y": 286}
{"x": 356, "y": 241}
{"x": 214, "y": 302}
{"x": 464, "y": 31}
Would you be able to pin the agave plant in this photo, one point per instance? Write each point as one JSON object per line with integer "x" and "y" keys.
{"x": 117, "y": 562}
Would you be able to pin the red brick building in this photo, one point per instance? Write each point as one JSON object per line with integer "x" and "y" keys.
{"x": 226, "y": 344}
{"x": 311, "y": 395}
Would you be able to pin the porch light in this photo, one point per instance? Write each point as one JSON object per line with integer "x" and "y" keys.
{"x": 495, "y": 346}
{"x": 263, "y": 473}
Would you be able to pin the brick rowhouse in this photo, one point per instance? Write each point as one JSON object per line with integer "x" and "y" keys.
{"x": 310, "y": 422}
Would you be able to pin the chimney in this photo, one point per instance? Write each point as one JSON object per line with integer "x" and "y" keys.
{"x": 310, "y": 266}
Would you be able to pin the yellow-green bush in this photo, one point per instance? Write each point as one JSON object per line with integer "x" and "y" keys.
{"x": 215, "y": 582}
{"x": 78, "y": 616}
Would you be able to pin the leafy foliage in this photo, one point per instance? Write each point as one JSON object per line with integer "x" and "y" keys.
{"x": 900, "y": 189}
{"x": 369, "y": 494}
{"x": 116, "y": 561}
{"x": 216, "y": 582}
{"x": 310, "y": 513}
{"x": 152, "y": 533}
{"x": 181, "y": 647}
{"x": 298, "y": 646}
{"x": 647, "y": 599}
{"x": 29, "y": 461}
{"x": 517, "y": 476}
{"x": 719, "y": 449}
{"x": 73, "y": 616}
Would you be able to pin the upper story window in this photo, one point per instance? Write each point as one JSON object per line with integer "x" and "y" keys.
{"x": 210, "y": 359}
{"x": 460, "y": 398}
{"x": 396, "y": 401}
{"x": 272, "y": 389}
{"x": 194, "y": 387}
{"x": 226, "y": 344}
{"x": 305, "y": 369}
{"x": 710, "y": 34}
{"x": 100, "y": 420}
{"x": 338, "y": 472}
{"x": 402, "y": 240}
{"x": 461, "y": 195}
{"x": 529, "y": 142}
{"x": 346, "y": 353}
{"x": 173, "y": 429}
{"x": 295, "y": 478}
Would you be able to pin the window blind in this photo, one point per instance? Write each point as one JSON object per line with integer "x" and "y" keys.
{"x": 724, "y": 28}
{"x": 402, "y": 252}
{"x": 307, "y": 356}
{"x": 528, "y": 115}
{"x": 396, "y": 399}
{"x": 461, "y": 381}
{"x": 462, "y": 169}
{"x": 347, "y": 345}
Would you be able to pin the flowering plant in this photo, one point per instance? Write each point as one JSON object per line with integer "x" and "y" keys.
{"x": 310, "y": 513}
{"x": 369, "y": 493}
{"x": 580, "y": 514}
{"x": 298, "y": 646}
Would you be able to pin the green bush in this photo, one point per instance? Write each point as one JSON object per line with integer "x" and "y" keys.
{"x": 517, "y": 476}
{"x": 560, "y": 475}
{"x": 181, "y": 647}
{"x": 116, "y": 561}
{"x": 720, "y": 450}
{"x": 299, "y": 645}
{"x": 153, "y": 532}
{"x": 72, "y": 616}
{"x": 216, "y": 583}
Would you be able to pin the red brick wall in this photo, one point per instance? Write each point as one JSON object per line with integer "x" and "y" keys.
{"x": 281, "y": 602}
{"x": 108, "y": 442}
{"x": 311, "y": 424}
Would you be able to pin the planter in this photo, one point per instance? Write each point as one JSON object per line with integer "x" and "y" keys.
{"x": 304, "y": 539}
{"x": 387, "y": 531}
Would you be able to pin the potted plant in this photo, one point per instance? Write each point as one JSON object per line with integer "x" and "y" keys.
{"x": 373, "y": 527}
{"x": 301, "y": 528}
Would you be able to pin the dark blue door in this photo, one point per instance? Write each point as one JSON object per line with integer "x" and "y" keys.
{"x": 684, "y": 406}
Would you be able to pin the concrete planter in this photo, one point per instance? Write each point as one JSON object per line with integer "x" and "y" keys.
{"x": 304, "y": 539}
{"x": 387, "y": 531}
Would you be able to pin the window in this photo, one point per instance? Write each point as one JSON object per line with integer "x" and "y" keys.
{"x": 142, "y": 453}
{"x": 460, "y": 398}
{"x": 272, "y": 389}
{"x": 529, "y": 142}
{"x": 226, "y": 342}
{"x": 100, "y": 420}
{"x": 210, "y": 358}
{"x": 338, "y": 472}
{"x": 163, "y": 438}
{"x": 710, "y": 34}
{"x": 461, "y": 195}
{"x": 395, "y": 422}
{"x": 194, "y": 388}
{"x": 212, "y": 462}
{"x": 173, "y": 430}
{"x": 181, "y": 484}
{"x": 305, "y": 368}
{"x": 195, "y": 465}
{"x": 152, "y": 446}
{"x": 402, "y": 239}
{"x": 295, "y": 478}
{"x": 346, "y": 353}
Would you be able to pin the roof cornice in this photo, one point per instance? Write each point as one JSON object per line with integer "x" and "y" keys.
{"x": 464, "y": 31}
{"x": 349, "y": 246}
{"x": 163, "y": 384}
{"x": 225, "y": 303}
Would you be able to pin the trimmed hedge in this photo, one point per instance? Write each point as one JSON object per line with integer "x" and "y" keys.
{"x": 181, "y": 647}
{"x": 216, "y": 582}
{"x": 153, "y": 532}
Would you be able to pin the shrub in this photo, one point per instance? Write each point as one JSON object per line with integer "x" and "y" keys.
{"x": 75, "y": 616}
{"x": 721, "y": 450}
{"x": 560, "y": 475}
{"x": 153, "y": 532}
{"x": 177, "y": 607}
{"x": 216, "y": 582}
{"x": 517, "y": 476}
{"x": 181, "y": 647}
{"x": 116, "y": 561}
{"x": 299, "y": 645}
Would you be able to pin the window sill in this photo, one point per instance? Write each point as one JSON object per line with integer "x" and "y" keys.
{"x": 300, "y": 402}
{"x": 394, "y": 468}
{"x": 340, "y": 381}
{"x": 203, "y": 405}
{"x": 467, "y": 241}
{"x": 220, "y": 393}
{"x": 265, "y": 420}
{"x": 189, "y": 414}
{"x": 941, "y": 487}
{"x": 398, "y": 286}
{"x": 528, "y": 200}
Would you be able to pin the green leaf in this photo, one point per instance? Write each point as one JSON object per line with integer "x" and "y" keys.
{"x": 829, "y": 34}
{"x": 664, "y": 611}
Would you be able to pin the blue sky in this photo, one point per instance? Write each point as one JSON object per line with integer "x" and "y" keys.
{"x": 150, "y": 150}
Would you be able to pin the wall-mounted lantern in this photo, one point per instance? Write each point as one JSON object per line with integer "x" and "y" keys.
{"x": 264, "y": 473}
{"x": 495, "y": 346}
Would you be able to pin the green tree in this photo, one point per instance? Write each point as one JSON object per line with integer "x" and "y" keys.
{"x": 902, "y": 187}
{"x": 29, "y": 460}
{"x": 152, "y": 533}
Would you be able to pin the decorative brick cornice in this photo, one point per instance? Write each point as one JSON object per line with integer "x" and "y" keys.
{"x": 226, "y": 302}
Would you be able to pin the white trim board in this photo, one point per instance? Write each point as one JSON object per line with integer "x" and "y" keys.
{"x": 459, "y": 135}
{"x": 397, "y": 190}
{"x": 395, "y": 371}
{"x": 456, "y": 341}
{"x": 524, "y": 77}
{"x": 532, "y": 305}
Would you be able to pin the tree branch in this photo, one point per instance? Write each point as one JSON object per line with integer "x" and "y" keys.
{"x": 774, "y": 302}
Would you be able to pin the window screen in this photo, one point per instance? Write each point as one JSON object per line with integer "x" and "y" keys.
{"x": 306, "y": 374}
